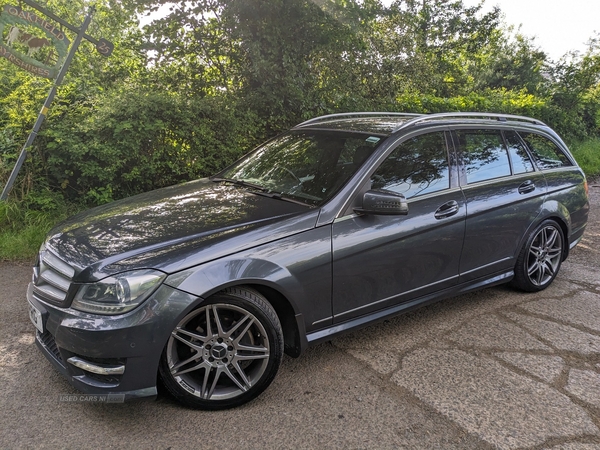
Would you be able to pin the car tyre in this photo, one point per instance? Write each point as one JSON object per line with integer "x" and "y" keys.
{"x": 540, "y": 258}
{"x": 223, "y": 353}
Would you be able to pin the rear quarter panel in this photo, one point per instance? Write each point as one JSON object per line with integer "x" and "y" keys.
{"x": 567, "y": 198}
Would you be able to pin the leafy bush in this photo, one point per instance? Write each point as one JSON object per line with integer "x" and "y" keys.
{"x": 580, "y": 122}
{"x": 136, "y": 139}
{"x": 498, "y": 100}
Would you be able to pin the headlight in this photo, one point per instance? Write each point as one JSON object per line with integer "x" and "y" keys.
{"x": 119, "y": 293}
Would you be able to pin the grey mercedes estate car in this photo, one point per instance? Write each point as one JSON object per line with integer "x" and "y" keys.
{"x": 340, "y": 222}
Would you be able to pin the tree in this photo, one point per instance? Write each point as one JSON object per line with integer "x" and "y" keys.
{"x": 575, "y": 89}
{"x": 509, "y": 62}
{"x": 272, "y": 53}
{"x": 441, "y": 34}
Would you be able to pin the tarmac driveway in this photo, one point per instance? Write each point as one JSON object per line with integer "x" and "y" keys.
{"x": 491, "y": 369}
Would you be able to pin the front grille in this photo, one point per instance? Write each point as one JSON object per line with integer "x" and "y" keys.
{"x": 52, "y": 278}
{"x": 48, "y": 341}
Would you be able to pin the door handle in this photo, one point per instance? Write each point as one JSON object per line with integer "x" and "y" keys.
{"x": 446, "y": 210}
{"x": 526, "y": 186}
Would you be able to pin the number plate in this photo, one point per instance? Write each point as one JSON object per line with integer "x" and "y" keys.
{"x": 36, "y": 318}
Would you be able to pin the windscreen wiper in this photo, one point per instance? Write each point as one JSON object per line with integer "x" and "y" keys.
{"x": 241, "y": 183}
{"x": 260, "y": 190}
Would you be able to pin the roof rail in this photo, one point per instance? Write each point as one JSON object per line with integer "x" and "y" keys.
{"x": 474, "y": 115}
{"x": 357, "y": 114}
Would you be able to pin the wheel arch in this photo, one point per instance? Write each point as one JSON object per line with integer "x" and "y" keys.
{"x": 558, "y": 212}
{"x": 267, "y": 279}
{"x": 552, "y": 211}
{"x": 565, "y": 229}
{"x": 292, "y": 323}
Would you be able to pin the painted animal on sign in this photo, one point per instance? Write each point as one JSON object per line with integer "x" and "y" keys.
{"x": 34, "y": 43}
{"x": 13, "y": 35}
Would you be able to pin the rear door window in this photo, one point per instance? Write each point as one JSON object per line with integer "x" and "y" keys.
{"x": 484, "y": 155}
{"x": 521, "y": 162}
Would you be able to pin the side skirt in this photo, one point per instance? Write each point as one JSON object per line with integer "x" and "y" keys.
{"x": 370, "y": 319}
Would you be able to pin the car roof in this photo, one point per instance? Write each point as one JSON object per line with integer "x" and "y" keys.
{"x": 386, "y": 123}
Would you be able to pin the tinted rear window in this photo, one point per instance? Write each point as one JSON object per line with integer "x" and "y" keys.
{"x": 545, "y": 152}
{"x": 521, "y": 162}
{"x": 484, "y": 155}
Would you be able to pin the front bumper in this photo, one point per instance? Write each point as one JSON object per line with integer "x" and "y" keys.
{"x": 111, "y": 354}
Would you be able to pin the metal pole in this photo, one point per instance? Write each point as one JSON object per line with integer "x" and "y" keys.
{"x": 47, "y": 103}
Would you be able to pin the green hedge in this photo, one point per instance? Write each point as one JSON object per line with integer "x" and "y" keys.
{"x": 134, "y": 140}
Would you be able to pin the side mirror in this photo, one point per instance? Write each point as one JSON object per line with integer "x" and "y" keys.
{"x": 383, "y": 202}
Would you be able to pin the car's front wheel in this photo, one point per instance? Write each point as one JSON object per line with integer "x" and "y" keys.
{"x": 224, "y": 353}
{"x": 540, "y": 258}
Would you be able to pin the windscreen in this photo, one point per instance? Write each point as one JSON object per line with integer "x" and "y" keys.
{"x": 309, "y": 166}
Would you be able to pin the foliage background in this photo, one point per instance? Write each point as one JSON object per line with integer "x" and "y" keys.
{"x": 192, "y": 91}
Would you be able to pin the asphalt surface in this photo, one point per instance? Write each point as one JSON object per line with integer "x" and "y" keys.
{"x": 492, "y": 369}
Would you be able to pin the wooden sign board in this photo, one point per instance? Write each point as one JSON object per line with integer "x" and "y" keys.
{"x": 18, "y": 23}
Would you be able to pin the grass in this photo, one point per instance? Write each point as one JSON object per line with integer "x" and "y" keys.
{"x": 587, "y": 155}
{"x": 23, "y": 244}
{"x": 24, "y": 224}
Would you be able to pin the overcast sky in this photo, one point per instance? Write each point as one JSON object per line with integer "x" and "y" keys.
{"x": 558, "y": 25}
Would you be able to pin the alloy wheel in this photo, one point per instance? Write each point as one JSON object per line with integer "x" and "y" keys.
{"x": 545, "y": 253}
{"x": 218, "y": 351}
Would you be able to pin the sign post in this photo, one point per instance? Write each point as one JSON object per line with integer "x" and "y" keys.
{"x": 103, "y": 46}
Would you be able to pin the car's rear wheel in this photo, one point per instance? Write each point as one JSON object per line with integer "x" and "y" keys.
{"x": 224, "y": 353}
{"x": 540, "y": 258}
